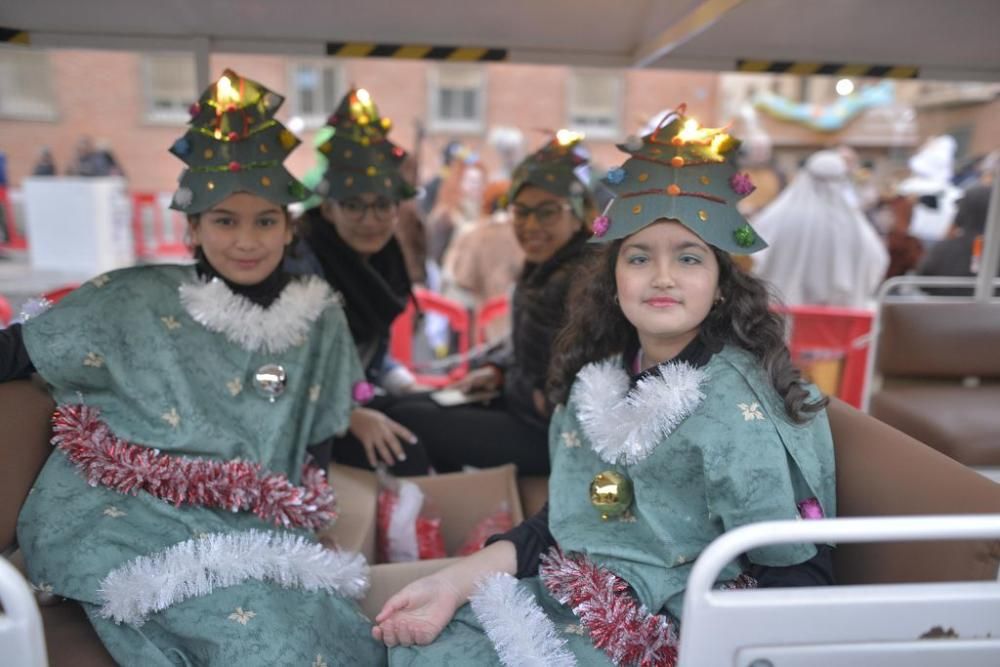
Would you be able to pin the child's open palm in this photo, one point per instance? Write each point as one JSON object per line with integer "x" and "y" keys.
{"x": 417, "y": 614}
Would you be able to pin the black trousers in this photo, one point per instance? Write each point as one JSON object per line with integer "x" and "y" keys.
{"x": 349, "y": 451}
{"x": 472, "y": 435}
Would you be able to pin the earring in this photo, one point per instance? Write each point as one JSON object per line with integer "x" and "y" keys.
{"x": 617, "y": 303}
{"x": 719, "y": 300}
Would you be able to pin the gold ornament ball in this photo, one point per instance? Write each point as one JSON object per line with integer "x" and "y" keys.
{"x": 287, "y": 139}
{"x": 611, "y": 493}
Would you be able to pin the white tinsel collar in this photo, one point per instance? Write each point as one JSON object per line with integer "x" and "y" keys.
{"x": 255, "y": 328}
{"x": 625, "y": 426}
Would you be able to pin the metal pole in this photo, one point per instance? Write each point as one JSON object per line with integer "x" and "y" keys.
{"x": 202, "y": 71}
{"x": 991, "y": 243}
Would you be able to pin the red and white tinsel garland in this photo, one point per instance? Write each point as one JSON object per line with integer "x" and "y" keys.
{"x": 616, "y": 622}
{"x": 105, "y": 459}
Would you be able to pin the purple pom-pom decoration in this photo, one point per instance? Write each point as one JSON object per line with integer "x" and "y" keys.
{"x": 601, "y": 225}
{"x": 810, "y": 509}
{"x": 741, "y": 184}
{"x": 363, "y": 391}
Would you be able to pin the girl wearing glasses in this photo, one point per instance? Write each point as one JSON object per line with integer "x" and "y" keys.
{"x": 178, "y": 507}
{"x": 549, "y": 203}
{"x": 350, "y": 240}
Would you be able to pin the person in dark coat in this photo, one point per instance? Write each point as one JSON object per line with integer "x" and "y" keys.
{"x": 550, "y": 207}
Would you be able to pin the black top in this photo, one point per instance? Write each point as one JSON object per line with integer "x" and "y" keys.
{"x": 15, "y": 364}
{"x": 375, "y": 289}
{"x": 538, "y": 312}
{"x": 14, "y": 361}
{"x": 532, "y": 538}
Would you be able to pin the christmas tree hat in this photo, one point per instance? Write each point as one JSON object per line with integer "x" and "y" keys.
{"x": 555, "y": 168}
{"x": 234, "y": 144}
{"x": 681, "y": 172}
{"x": 360, "y": 156}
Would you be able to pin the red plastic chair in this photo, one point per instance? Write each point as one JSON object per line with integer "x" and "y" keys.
{"x": 6, "y": 312}
{"x": 401, "y": 336}
{"x": 14, "y": 239}
{"x": 841, "y": 333}
{"x": 150, "y": 225}
{"x": 491, "y": 309}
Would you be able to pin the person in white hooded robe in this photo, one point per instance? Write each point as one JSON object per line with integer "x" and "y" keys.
{"x": 823, "y": 250}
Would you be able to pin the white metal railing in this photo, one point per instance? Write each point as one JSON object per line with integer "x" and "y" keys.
{"x": 885, "y": 624}
{"x": 22, "y": 641}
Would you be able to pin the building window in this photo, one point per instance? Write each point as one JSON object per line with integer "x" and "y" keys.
{"x": 595, "y": 102}
{"x": 456, "y": 96}
{"x": 317, "y": 87}
{"x": 170, "y": 87}
{"x": 26, "y": 90}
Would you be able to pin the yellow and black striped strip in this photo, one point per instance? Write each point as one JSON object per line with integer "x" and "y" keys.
{"x": 13, "y": 36}
{"x": 414, "y": 52}
{"x": 832, "y": 69}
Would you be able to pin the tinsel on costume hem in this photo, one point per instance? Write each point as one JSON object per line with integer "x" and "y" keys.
{"x": 105, "y": 459}
{"x": 614, "y": 620}
{"x": 283, "y": 325}
{"x": 515, "y": 623}
{"x": 625, "y": 426}
{"x": 617, "y": 624}
{"x": 197, "y": 567}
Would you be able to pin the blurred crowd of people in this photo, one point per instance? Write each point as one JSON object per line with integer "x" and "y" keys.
{"x": 835, "y": 234}
{"x": 90, "y": 159}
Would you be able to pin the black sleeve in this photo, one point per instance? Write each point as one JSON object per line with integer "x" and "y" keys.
{"x": 531, "y": 539}
{"x": 817, "y": 571}
{"x": 14, "y": 361}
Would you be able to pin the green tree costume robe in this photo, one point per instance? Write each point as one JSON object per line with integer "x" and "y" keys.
{"x": 707, "y": 450}
{"x": 169, "y": 362}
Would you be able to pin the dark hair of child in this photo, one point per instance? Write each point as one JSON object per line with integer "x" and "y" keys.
{"x": 596, "y": 329}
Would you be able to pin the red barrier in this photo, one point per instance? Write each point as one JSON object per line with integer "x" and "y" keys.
{"x": 491, "y": 309}
{"x": 14, "y": 240}
{"x": 819, "y": 333}
{"x": 157, "y": 232}
{"x": 56, "y": 295}
{"x": 6, "y": 312}
{"x": 401, "y": 335}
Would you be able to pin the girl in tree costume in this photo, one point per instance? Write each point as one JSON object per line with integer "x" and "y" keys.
{"x": 679, "y": 417}
{"x": 179, "y": 506}
{"x": 350, "y": 240}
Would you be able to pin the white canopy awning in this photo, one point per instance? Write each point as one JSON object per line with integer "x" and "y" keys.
{"x": 927, "y": 38}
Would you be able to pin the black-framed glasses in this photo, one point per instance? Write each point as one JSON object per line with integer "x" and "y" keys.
{"x": 355, "y": 209}
{"x": 546, "y": 213}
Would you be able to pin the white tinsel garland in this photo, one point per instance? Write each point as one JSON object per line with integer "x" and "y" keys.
{"x": 520, "y": 631}
{"x": 274, "y": 329}
{"x": 197, "y": 567}
{"x": 625, "y": 426}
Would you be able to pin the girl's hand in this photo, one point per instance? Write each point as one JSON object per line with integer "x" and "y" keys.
{"x": 381, "y": 437}
{"x": 482, "y": 379}
{"x": 417, "y": 614}
{"x": 541, "y": 405}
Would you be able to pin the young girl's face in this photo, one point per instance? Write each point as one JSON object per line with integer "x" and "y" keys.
{"x": 543, "y": 223}
{"x": 366, "y": 223}
{"x": 667, "y": 280}
{"x": 243, "y": 237}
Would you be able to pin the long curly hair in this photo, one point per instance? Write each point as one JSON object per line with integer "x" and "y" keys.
{"x": 596, "y": 328}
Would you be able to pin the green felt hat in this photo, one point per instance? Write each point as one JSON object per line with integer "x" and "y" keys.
{"x": 234, "y": 144}
{"x": 360, "y": 157}
{"x": 681, "y": 172}
{"x": 555, "y": 168}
